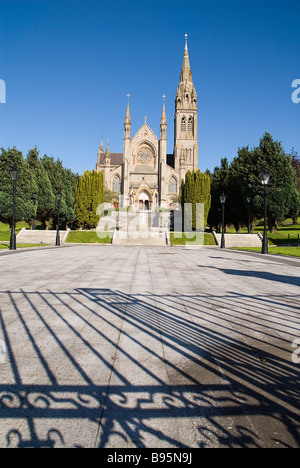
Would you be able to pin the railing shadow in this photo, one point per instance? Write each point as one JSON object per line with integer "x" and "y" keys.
{"x": 77, "y": 370}
{"x": 265, "y": 275}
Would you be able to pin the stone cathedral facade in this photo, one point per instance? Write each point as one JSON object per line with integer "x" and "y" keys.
{"x": 144, "y": 175}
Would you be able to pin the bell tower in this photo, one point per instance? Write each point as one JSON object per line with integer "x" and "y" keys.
{"x": 186, "y": 120}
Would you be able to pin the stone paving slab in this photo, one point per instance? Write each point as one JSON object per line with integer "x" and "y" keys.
{"x": 148, "y": 347}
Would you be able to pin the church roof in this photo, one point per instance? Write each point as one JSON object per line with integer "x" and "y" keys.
{"x": 116, "y": 159}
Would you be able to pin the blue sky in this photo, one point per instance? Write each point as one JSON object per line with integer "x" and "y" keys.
{"x": 69, "y": 64}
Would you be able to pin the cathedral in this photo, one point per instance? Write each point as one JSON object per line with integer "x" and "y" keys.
{"x": 144, "y": 175}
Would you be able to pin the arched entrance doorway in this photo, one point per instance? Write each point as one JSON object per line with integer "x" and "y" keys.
{"x": 144, "y": 201}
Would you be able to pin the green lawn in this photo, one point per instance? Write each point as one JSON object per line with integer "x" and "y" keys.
{"x": 5, "y": 231}
{"x": 22, "y": 246}
{"x": 89, "y": 237}
{"x": 179, "y": 238}
{"x": 281, "y": 236}
{"x": 290, "y": 251}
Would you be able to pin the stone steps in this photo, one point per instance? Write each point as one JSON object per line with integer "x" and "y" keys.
{"x": 239, "y": 240}
{"x": 141, "y": 236}
{"x": 26, "y": 236}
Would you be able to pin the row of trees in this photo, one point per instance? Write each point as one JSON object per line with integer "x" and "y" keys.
{"x": 241, "y": 181}
{"x": 295, "y": 160}
{"x": 81, "y": 195}
{"x": 43, "y": 177}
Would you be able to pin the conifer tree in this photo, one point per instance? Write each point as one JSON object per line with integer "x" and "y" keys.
{"x": 195, "y": 190}
{"x": 89, "y": 195}
{"x": 26, "y": 186}
{"x": 45, "y": 196}
{"x": 65, "y": 180}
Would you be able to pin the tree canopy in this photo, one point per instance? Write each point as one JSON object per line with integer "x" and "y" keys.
{"x": 43, "y": 176}
{"x": 89, "y": 195}
{"x": 242, "y": 181}
{"x": 195, "y": 190}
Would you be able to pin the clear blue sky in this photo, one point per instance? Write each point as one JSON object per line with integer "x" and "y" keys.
{"x": 69, "y": 64}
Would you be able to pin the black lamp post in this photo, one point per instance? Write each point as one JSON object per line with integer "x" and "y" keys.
{"x": 59, "y": 197}
{"x": 249, "y": 200}
{"x": 265, "y": 179}
{"x": 14, "y": 175}
{"x": 34, "y": 199}
{"x": 223, "y": 200}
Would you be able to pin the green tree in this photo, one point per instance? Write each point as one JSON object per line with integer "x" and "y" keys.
{"x": 195, "y": 190}
{"x": 89, "y": 195}
{"x": 45, "y": 196}
{"x": 295, "y": 161}
{"x": 243, "y": 184}
{"x": 65, "y": 180}
{"x": 26, "y": 186}
{"x": 69, "y": 191}
{"x": 219, "y": 183}
{"x": 111, "y": 197}
{"x": 283, "y": 197}
{"x": 242, "y": 180}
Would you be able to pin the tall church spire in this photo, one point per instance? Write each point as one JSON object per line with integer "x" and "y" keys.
{"x": 186, "y": 72}
{"x": 186, "y": 119}
{"x": 100, "y": 151}
{"x": 101, "y": 146}
{"x": 127, "y": 117}
{"x": 186, "y": 97}
{"x": 163, "y": 120}
{"x": 127, "y": 124}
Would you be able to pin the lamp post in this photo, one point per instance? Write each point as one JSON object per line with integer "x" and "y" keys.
{"x": 33, "y": 199}
{"x": 14, "y": 175}
{"x": 265, "y": 179}
{"x": 249, "y": 200}
{"x": 58, "y": 197}
{"x": 223, "y": 200}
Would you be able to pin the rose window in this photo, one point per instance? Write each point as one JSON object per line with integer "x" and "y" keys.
{"x": 144, "y": 155}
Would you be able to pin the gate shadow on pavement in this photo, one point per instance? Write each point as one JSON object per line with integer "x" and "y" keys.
{"x": 264, "y": 275}
{"x": 226, "y": 375}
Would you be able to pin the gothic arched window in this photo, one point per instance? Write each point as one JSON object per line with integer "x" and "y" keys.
{"x": 116, "y": 186}
{"x": 172, "y": 185}
{"x": 190, "y": 124}
{"x": 183, "y": 124}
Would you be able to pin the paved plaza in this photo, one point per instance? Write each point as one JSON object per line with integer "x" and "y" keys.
{"x": 155, "y": 347}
